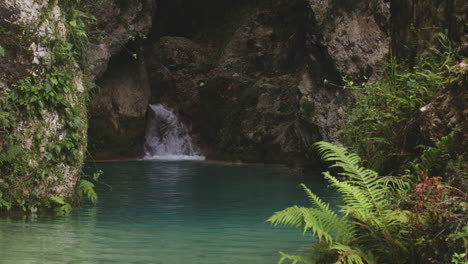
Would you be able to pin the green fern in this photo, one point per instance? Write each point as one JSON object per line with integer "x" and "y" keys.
{"x": 366, "y": 181}
{"x": 432, "y": 156}
{"x": 366, "y": 198}
{"x": 86, "y": 189}
{"x": 9, "y": 154}
{"x": 295, "y": 259}
{"x": 353, "y": 255}
{"x": 3, "y": 203}
{"x": 63, "y": 207}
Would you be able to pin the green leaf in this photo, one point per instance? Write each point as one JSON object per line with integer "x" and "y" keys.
{"x": 86, "y": 188}
{"x": 57, "y": 199}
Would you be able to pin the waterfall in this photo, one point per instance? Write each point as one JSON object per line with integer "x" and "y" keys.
{"x": 166, "y": 138}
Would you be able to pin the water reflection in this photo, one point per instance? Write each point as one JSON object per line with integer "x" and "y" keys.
{"x": 167, "y": 212}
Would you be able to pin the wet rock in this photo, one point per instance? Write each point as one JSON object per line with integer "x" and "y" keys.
{"x": 24, "y": 25}
{"x": 354, "y": 33}
{"x": 118, "y": 109}
{"x": 117, "y": 120}
{"x": 260, "y": 97}
{"x": 178, "y": 70}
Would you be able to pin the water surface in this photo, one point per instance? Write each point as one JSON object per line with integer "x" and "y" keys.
{"x": 168, "y": 213}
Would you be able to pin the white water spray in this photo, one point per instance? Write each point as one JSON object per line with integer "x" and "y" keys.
{"x": 166, "y": 138}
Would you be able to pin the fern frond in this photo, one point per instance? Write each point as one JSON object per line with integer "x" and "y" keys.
{"x": 353, "y": 196}
{"x": 305, "y": 218}
{"x": 432, "y": 155}
{"x": 57, "y": 199}
{"x": 86, "y": 188}
{"x": 10, "y": 153}
{"x": 348, "y": 255}
{"x": 399, "y": 183}
{"x": 331, "y": 219}
{"x": 315, "y": 200}
{"x": 367, "y": 180}
{"x": 295, "y": 259}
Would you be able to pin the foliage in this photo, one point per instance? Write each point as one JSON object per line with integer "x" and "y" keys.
{"x": 374, "y": 226}
{"x": 372, "y": 231}
{"x": 460, "y": 258}
{"x": 294, "y": 258}
{"x": 86, "y": 189}
{"x": 2, "y": 51}
{"x": 435, "y": 157}
{"x": 63, "y": 208}
{"x": 77, "y": 23}
{"x": 383, "y": 125}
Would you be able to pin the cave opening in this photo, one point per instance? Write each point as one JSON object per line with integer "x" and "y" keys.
{"x": 118, "y": 108}
{"x": 198, "y": 56}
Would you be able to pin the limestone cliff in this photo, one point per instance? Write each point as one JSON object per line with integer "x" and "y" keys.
{"x": 45, "y": 77}
{"x": 42, "y": 104}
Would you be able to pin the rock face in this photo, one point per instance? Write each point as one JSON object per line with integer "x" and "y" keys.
{"x": 117, "y": 116}
{"x": 28, "y": 69}
{"x": 354, "y": 33}
{"x": 177, "y": 68}
{"x": 44, "y": 85}
{"x": 262, "y": 86}
{"x": 118, "y": 22}
{"x": 16, "y": 16}
{"x": 427, "y": 17}
{"x": 448, "y": 111}
{"x": 272, "y": 89}
{"x": 117, "y": 122}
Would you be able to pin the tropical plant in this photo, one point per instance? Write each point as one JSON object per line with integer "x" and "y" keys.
{"x": 86, "y": 188}
{"x": 369, "y": 229}
{"x": 410, "y": 219}
{"x": 434, "y": 157}
{"x": 460, "y": 258}
{"x": 383, "y": 126}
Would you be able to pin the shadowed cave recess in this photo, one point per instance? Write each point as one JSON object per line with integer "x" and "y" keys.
{"x": 249, "y": 79}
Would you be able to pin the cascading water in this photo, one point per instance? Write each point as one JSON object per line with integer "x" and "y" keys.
{"x": 166, "y": 138}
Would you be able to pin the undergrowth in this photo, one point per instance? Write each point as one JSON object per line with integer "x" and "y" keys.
{"x": 419, "y": 216}
{"x": 408, "y": 219}
{"x": 383, "y": 126}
